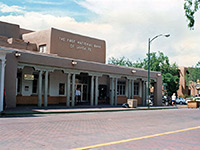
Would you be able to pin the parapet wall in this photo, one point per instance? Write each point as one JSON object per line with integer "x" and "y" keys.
{"x": 17, "y": 43}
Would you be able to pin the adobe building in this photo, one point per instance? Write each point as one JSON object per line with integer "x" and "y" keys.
{"x": 47, "y": 67}
{"x": 183, "y": 88}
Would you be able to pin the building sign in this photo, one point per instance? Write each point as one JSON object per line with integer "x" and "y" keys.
{"x": 79, "y": 45}
{"x": 28, "y": 77}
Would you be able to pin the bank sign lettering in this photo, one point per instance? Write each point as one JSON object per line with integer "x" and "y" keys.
{"x": 79, "y": 45}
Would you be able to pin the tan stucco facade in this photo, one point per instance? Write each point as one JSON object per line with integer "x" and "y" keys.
{"x": 70, "y": 61}
{"x": 185, "y": 90}
{"x": 69, "y": 45}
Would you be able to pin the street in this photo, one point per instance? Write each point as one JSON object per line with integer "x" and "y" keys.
{"x": 147, "y": 129}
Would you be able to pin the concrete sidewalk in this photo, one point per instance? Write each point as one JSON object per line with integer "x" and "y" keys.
{"x": 25, "y": 110}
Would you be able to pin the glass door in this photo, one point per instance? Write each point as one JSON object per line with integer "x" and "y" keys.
{"x": 85, "y": 93}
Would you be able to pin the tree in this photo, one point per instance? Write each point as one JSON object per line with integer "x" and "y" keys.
{"x": 160, "y": 62}
{"x": 193, "y": 74}
{"x": 191, "y": 7}
{"x": 122, "y": 61}
{"x": 171, "y": 78}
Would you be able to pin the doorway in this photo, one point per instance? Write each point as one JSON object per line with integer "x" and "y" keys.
{"x": 84, "y": 92}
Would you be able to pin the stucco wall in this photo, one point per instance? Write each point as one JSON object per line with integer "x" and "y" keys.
{"x": 10, "y": 80}
{"x": 39, "y": 38}
{"x": 76, "y": 46}
{"x": 104, "y": 80}
{"x": 9, "y": 30}
{"x": 55, "y": 78}
{"x": 27, "y": 83}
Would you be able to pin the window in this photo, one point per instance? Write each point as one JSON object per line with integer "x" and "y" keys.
{"x": 43, "y": 48}
{"x": 121, "y": 88}
{"x": 136, "y": 88}
{"x": 61, "y": 88}
{"x": 35, "y": 83}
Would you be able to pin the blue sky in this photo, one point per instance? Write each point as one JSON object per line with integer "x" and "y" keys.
{"x": 125, "y": 25}
{"x": 57, "y": 8}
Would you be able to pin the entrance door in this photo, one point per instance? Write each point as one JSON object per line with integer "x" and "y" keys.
{"x": 84, "y": 91}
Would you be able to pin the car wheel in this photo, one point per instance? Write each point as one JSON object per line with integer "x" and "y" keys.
{"x": 181, "y": 103}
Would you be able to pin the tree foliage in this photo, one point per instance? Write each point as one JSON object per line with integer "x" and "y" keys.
{"x": 191, "y": 7}
{"x": 193, "y": 74}
{"x": 122, "y": 61}
{"x": 160, "y": 62}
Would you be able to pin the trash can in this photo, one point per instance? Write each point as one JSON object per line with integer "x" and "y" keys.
{"x": 132, "y": 103}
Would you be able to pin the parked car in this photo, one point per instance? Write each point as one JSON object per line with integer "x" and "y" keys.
{"x": 181, "y": 101}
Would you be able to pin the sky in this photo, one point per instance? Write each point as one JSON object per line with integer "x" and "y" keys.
{"x": 125, "y": 25}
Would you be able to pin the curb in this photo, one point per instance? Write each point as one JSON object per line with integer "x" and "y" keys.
{"x": 182, "y": 107}
{"x": 4, "y": 114}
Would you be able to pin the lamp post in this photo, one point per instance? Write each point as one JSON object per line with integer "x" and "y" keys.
{"x": 148, "y": 76}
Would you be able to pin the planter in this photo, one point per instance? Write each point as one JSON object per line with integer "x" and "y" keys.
{"x": 193, "y": 104}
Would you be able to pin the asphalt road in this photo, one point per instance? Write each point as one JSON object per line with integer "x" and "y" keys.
{"x": 141, "y": 130}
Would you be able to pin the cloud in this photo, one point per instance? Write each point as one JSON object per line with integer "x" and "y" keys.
{"x": 44, "y": 2}
{"x": 134, "y": 21}
{"x": 7, "y": 9}
{"x": 126, "y": 25}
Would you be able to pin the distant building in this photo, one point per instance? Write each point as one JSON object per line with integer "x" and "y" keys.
{"x": 46, "y": 67}
{"x": 183, "y": 88}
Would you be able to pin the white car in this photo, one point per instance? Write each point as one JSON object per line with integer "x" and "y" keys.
{"x": 180, "y": 100}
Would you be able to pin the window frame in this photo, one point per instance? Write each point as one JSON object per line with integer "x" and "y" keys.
{"x": 43, "y": 48}
{"x": 136, "y": 88}
{"x": 61, "y": 92}
{"x": 121, "y": 88}
{"x": 36, "y": 76}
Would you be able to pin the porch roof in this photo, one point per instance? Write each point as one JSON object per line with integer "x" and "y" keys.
{"x": 52, "y": 60}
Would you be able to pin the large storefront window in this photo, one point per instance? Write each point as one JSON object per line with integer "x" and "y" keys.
{"x": 136, "y": 88}
{"x": 121, "y": 88}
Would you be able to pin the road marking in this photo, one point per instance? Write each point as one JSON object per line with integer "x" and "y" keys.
{"x": 134, "y": 139}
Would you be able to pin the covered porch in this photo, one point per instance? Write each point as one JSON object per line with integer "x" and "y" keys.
{"x": 45, "y": 85}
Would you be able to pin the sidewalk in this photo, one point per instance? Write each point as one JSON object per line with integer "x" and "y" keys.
{"x": 27, "y": 110}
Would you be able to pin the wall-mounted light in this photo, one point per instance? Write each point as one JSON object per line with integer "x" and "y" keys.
{"x": 159, "y": 75}
{"x": 74, "y": 62}
{"x": 17, "y": 54}
{"x": 133, "y": 71}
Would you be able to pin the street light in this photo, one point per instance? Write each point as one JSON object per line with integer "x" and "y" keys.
{"x": 149, "y": 43}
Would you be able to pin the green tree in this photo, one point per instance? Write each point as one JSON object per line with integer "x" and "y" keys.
{"x": 191, "y": 7}
{"x": 171, "y": 78}
{"x": 160, "y": 62}
{"x": 122, "y": 61}
{"x": 193, "y": 74}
